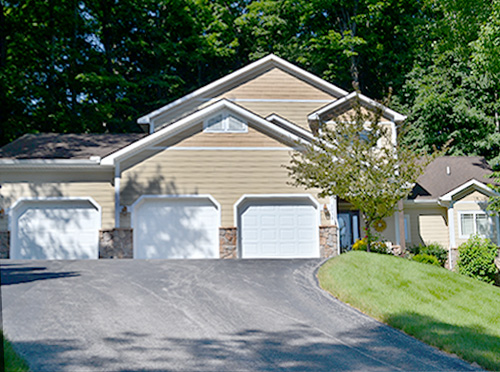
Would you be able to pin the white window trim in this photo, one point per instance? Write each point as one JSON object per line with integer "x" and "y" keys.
{"x": 408, "y": 228}
{"x": 225, "y": 120}
{"x": 474, "y": 213}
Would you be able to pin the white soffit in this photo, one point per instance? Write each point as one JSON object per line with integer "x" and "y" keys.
{"x": 248, "y": 72}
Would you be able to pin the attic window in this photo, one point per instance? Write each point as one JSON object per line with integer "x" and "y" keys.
{"x": 225, "y": 123}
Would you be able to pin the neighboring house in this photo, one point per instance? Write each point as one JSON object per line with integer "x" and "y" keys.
{"x": 449, "y": 204}
{"x": 208, "y": 180}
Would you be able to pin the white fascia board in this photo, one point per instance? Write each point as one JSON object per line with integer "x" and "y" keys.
{"x": 305, "y": 133}
{"x": 255, "y": 67}
{"x": 470, "y": 184}
{"x": 397, "y": 117}
{"x": 49, "y": 163}
{"x": 194, "y": 118}
{"x": 421, "y": 202}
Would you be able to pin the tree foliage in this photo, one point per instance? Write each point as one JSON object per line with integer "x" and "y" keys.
{"x": 357, "y": 160}
{"x": 95, "y": 66}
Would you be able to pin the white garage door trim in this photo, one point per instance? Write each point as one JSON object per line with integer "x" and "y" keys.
{"x": 134, "y": 212}
{"x": 14, "y": 213}
{"x": 247, "y": 199}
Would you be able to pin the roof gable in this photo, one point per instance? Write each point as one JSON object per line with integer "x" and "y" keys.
{"x": 238, "y": 77}
{"x": 343, "y": 105}
{"x": 283, "y": 135}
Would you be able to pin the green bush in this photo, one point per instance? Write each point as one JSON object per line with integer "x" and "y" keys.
{"x": 476, "y": 258}
{"x": 432, "y": 249}
{"x": 376, "y": 247}
{"x": 426, "y": 259}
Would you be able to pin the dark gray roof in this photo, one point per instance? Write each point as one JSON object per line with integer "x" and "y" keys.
{"x": 66, "y": 146}
{"x": 437, "y": 181}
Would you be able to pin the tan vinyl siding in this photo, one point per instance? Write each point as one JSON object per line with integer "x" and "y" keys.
{"x": 226, "y": 175}
{"x": 428, "y": 225}
{"x": 389, "y": 234}
{"x": 276, "y": 84}
{"x": 101, "y": 192}
{"x": 474, "y": 196}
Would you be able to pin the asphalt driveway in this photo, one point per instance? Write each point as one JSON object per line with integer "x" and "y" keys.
{"x": 195, "y": 315}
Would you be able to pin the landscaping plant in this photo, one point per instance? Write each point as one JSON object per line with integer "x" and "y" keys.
{"x": 477, "y": 259}
{"x": 376, "y": 247}
{"x": 427, "y": 259}
{"x": 433, "y": 249}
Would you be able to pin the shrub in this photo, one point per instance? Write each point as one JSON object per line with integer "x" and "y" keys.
{"x": 432, "y": 249}
{"x": 376, "y": 247}
{"x": 427, "y": 259}
{"x": 476, "y": 258}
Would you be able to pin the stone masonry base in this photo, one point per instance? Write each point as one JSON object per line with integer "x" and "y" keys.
{"x": 328, "y": 241}
{"x": 116, "y": 243}
{"x": 4, "y": 244}
{"x": 228, "y": 237}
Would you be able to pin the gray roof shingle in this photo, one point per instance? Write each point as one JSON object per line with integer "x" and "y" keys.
{"x": 437, "y": 181}
{"x": 66, "y": 146}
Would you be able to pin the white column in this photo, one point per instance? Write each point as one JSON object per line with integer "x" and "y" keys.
{"x": 451, "y": 229}
{"x": 117, "y": 195}
{"x": 396, "y": 223}
{"x": 334, "y": 218}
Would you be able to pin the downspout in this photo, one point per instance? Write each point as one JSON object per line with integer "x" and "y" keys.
{"x": 117, "y": 195}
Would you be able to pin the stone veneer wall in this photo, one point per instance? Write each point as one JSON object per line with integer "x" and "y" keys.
{"x": 116, "y": 243}
{"x": 228, "y": 238}
{"x": 4, "y": 244}
{"x": 328, "y": 241}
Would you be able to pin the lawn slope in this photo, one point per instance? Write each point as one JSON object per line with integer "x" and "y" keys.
{"x": 452, "y": 312}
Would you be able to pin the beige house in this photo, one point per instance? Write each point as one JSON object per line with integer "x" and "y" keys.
{"x": 207, "y": 180}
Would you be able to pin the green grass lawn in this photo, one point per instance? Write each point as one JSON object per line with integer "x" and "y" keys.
{"x": 455, "y": 313}
{"x": 13, "y": 362}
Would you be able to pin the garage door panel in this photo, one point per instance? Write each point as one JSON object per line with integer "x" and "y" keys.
{"x": 285, "y": 228}
{"x": 63, "y": 229}
{"x": 176, "y": 228}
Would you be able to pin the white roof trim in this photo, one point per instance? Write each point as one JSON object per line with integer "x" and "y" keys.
{"x": 292, "y": 126}
{"x": 472, "y": 183}
{"x": 195, "y": 118}
{"x": 420, "y": 201}
{"x": 49, "y": 163}
{"x": 261, "y": 64}
{"x": 395, "y": 116}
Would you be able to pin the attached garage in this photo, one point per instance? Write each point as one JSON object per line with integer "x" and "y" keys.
{"x": 55, "y": 228}
{"x": 278, "y": 226}
{"x": 176, "y": 226}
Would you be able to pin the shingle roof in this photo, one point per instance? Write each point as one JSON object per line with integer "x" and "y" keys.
{"x": 447, "y": 173}
{"x": 66, "y": 146}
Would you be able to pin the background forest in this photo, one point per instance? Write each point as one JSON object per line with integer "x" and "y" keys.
{"x": 97, "y": 65}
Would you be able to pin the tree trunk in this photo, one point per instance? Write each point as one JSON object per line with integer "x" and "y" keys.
{"x": 369, "y": 237}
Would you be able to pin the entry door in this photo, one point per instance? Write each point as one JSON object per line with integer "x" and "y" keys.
{"x": 348, "y": 229}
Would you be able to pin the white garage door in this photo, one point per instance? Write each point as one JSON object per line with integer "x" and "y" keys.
{"x": 176, "y": 227}
{"x": 55, "y": 229}
{"x": 279, "y": 229}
